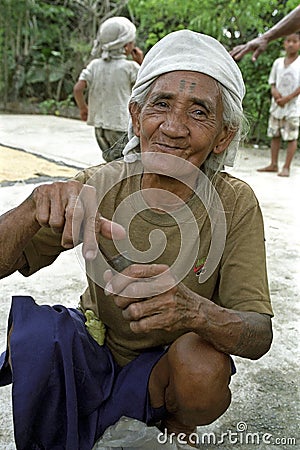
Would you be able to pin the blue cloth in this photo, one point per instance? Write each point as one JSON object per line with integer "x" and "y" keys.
{"x": 66, "y": 388}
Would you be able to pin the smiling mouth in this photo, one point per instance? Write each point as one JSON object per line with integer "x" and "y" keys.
{"x": 169, "y": 148}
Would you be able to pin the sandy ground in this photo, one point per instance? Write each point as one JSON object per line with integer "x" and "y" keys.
{"x": 265, "y": 404}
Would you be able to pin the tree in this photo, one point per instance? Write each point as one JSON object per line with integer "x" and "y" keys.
{"x": 45, "y": 43}
{"x": 231, "y": 22}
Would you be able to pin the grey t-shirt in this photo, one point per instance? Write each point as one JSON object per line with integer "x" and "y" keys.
{"x": 109, "y": 85}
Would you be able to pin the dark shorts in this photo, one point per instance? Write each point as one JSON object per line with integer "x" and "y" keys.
{"x": 66, "y": 388}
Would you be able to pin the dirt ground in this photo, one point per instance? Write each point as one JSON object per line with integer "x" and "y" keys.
{"x": 265, "y": 404}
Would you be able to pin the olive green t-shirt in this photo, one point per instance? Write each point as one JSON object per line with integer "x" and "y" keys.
{"x": 214, "y": 245}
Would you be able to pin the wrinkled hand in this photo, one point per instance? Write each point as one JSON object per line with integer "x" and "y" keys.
{"x": 71, "y": 208}
{"x": 257, "y": 46}
{"x": 151, "y": 299}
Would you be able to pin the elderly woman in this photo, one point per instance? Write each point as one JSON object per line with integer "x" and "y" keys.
{"x": 179, "y": 286}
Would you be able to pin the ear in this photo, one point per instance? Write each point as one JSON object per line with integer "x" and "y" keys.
{"x": 135, "y": 112}
{"x": 225, "y": 138}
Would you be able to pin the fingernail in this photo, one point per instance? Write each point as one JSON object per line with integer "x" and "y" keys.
{"x": 108, "y": 289}
{"x": 90, "y": 255}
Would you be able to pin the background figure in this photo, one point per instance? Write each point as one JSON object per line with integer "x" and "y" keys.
{"x": 109, "y": 80}
{"x": 289, "y": 24}
{"x": 285, "y": 104}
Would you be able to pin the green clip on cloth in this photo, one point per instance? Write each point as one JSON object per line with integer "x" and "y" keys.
{"x": 95, "y": 326}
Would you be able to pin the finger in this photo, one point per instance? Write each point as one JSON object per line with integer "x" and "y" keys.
{"x": 155, "y": 314}
{"x": 94, "y": 224}
{"x": 111, "y": 230}
{"x": 42, "y": 207}
{"x": 145, "y": 325}
{"x": 149, "y": 287}
{"x": 120, "y": 281}
{"x": 90, "y": 244}
{"x": 136, "y": 311}
{"x": 151, "y": 323}
{"x": 234, "y": 51}
{"x": 74, "y": 213}
{"x": 57, "y": 211}
{"x": 107, "y": 276}
{"x": 241, "y": 54}
{"x": 255, "y": 55}
{"x": 90, "y": 219}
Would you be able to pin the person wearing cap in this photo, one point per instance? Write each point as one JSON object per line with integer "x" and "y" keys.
{"x": 109, "y": 78}
{"x": 175, "y": 261}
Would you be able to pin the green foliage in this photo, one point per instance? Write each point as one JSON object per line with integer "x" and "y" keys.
{"x": 44, "y": 44}
{"x": 232, "y": 22}
{"x": 51, "y": 106}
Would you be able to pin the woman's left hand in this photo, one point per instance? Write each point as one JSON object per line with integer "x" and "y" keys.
{"x": 151, "y": 299}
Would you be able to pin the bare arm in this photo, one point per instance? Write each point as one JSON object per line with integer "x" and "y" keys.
{"x": 11, "y": 256}
{"x": 275, "y": 93}
{"x": 66, "y": 207}
{"x": 78, "y": 92}
{"x": 281, "y": 101}
{"x": 288, "y": 25}
{"x": 158, "y": 303}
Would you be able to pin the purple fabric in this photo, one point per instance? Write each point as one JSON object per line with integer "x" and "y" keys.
{"x": 66, "y": 388}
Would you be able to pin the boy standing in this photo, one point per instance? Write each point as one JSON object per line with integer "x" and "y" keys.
{"x": 285, "y": 105}
{"x": 109, "y": 79}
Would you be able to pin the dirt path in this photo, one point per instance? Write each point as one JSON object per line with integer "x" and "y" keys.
{"x": 264, "y": 410}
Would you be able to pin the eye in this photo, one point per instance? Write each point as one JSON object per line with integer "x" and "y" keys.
{"x": 161, "y": 104}
{"x": 199, "y": 113}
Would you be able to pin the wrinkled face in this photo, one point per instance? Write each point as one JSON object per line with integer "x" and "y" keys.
{"x": 182, "y": 116}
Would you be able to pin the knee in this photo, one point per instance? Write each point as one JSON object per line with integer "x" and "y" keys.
{"x": 200, "y": 377}
{"x": 192, "y": 358}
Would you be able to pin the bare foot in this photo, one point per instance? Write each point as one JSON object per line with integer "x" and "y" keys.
{"x": 270, "y": 168}
{"x": 284, "y": 173}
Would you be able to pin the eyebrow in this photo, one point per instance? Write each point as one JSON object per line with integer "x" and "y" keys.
{"x": 207, "y": 104}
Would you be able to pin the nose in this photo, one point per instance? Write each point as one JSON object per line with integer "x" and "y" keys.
{"x": 174, "y": 125}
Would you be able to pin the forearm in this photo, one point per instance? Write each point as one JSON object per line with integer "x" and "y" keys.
{"x": 17, "y": 227}
{"x": 288, "y": 25}
{"x": 78, "y": 92}
{"x": 80, "y": 100}
{"x": 245, "y": 334}
{"x": 294, "y": 94}
{"x": 163, "y": 306}
{"x": 275, "y": 93}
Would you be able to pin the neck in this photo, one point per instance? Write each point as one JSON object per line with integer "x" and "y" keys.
{"x": 291, "y": 57}
{"x": 165, "y": 193}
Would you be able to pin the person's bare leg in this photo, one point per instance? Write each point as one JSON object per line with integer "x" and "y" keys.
{"x": 290, "y": 153}
{"x": 275, "y": 147}
{"x": 191, "y": 380}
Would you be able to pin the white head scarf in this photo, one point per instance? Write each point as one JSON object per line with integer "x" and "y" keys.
{"x": 113, "y": 34}
{"x": 188, "y": 50}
